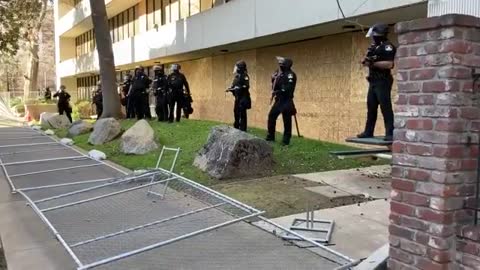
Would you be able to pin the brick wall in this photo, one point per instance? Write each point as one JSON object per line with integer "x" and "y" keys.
{"x": 436, "y": 143}
{"x": 468, "y": 248}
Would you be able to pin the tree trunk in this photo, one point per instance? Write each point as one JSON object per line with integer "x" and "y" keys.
{"x": 111, "y": 100}
{"x": 31, "y": 75}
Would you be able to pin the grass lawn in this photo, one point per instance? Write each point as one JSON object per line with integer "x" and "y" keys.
{"x": 277, "y": 196}
{"x": 302, "y": 156}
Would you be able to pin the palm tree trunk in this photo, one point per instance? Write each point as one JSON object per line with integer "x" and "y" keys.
{"x": 111, "y": 100}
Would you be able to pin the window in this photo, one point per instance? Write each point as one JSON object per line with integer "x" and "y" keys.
{"x": 150, "y": 15}
{"x": 157, "y": 8}
{"x": 194, "y": 7}
{"x": 174, "y": 10}
{"x": 184, "y": 8}
{"x": 166, "y": 11}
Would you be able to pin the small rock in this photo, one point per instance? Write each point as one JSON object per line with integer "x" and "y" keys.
{"x": 97, "y": 155}
{"x": 231, "y": 153}
{"x": 49, "y": 132}
{"x": 105, "y": 130}
{"x": 139, "y": 172}
{"x": 44, "y": 119}
{"x": 79, "y": 127}
{"x": 66, "y": 141}
{"x": 361, "y": 214}
{"x": 58, "y": 121}
{"x": 36, "y": 127}
{"x": 139, "y": 139}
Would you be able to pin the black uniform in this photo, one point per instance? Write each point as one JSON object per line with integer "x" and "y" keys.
{"x": 137, "y": 93}
{"x": 129, "y": 105}
{"x": 380, "y": 88}
{"x": 98, "y": 101}
{"x": 283, "y": 85}
{"x": 160, "y": 88}
{"x": 48, "y": 94}
{"x": 240, "y": 89}
{"x": 63, "y": 104}
{"x": 176, "y": 84}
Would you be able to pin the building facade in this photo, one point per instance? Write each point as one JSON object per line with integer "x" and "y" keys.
{"x": 208, "y": 36}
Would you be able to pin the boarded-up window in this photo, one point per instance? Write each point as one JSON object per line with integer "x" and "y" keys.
{"x": 206, "y": 4}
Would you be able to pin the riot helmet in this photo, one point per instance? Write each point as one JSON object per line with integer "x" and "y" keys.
{"x": 285, "y": 64}
{"x": 378, "y": 32}
{"x": 240, "y": 67}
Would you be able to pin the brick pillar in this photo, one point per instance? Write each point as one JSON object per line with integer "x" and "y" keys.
{"x": 436, "y": 140}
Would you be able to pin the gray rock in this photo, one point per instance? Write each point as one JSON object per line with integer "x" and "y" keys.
{"x": 139, "y": 139}
{"x": 44, "y": 119}
{"x": 79, "y": 127}
{"x": 231, "y": 153}
{"x": 59, "y": 121}
{"x": 105, "y": 130}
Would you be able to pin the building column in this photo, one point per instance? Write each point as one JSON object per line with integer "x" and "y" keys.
{"x": 437, "y": 119}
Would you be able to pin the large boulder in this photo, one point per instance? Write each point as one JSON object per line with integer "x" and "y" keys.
{"x": 44, "y": 119}
{"x": 105, "y": 130}
{"x": 139, "y": 139}
{"x": 79, "y": 127}
{"x": 59, "y": 121}
{"x": 231, "y": 153}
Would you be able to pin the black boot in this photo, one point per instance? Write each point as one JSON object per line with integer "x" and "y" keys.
{"x": 364, "y": 135}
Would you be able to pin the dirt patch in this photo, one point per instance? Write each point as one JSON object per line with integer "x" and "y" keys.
{"x": 282, "y": 195}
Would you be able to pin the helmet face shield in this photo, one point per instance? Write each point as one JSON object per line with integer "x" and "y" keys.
{"x": 369, "y": 33}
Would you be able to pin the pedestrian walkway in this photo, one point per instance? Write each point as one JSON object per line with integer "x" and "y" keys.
{"x": 108, "y": 218}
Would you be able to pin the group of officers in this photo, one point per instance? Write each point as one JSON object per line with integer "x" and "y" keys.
{"x": 172, "y": 92}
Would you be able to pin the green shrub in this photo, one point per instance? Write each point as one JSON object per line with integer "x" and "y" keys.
{"x": 82, "y": 110}
{"x": 16, "y": 101}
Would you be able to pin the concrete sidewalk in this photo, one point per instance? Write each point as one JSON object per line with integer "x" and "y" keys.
{"x": 29, "y": 244}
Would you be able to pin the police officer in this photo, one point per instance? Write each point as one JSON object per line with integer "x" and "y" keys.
{"x": 176, "y": 83}
{"x": 160, "y": 88}
{"x": 63, "y": 102}
{"x": 240, "y": 90}
{"x": 138, "y": 91}
{"x": 129, "y": 106}
{"x": 48, "y": 94}
{"x": 97, "y": 100}
{"x": 284, "y": 81}
{"x": 380, "y": 61}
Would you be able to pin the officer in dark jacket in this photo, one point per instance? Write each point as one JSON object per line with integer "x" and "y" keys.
{"x": 48, "y": 94}
{"x": 160, "y": 88}
{"x": 97, "y": 100}
{"x": 240, "y": 90}
{"x": 129, "y": 106}
{"x": 138, "y": 91}
{"x": 63, "y": 102}
{"x": 284, "y": 81}
{"x": 380, "y": 61}
{"x": 176, "y": 84}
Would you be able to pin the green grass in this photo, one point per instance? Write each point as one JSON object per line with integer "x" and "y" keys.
{"x": 302, "y": 156}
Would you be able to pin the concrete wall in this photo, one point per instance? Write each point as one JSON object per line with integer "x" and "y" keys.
{"x": 330, "y": 95}
{"x": 235, "y": 22}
